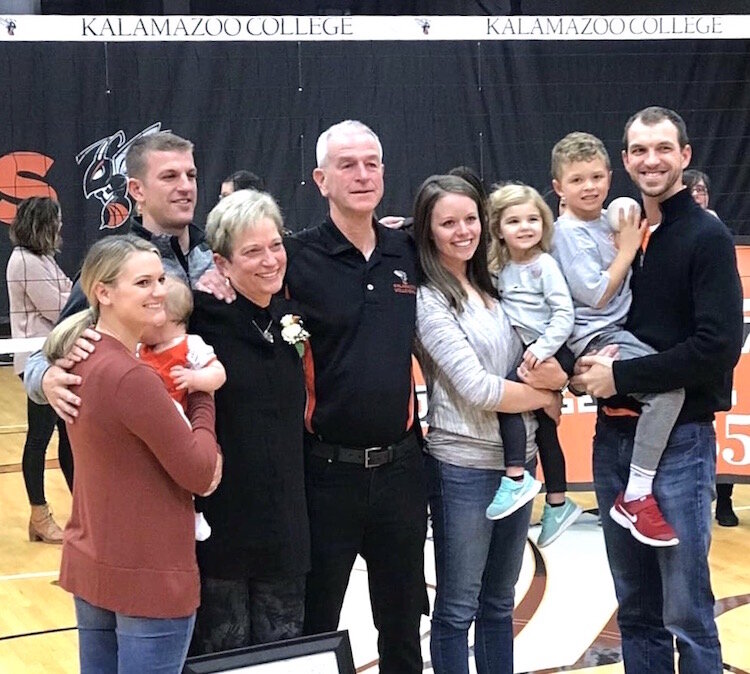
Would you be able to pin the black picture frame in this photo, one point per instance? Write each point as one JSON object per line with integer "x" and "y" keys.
{"x": 246, "y": 660}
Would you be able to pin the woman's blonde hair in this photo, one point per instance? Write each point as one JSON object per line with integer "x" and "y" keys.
{"x": 103, "y": 264}
{"x": 237, "y": 213}
{"x": 505, "y": 196}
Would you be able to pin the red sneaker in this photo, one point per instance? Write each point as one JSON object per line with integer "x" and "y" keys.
{"x": 644, "y": 519}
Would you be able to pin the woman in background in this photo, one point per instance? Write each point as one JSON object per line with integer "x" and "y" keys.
{"x": 699, "y": 186}
{"x": 37, "y": 291}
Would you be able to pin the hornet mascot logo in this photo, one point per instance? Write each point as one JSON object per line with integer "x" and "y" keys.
{"x": 105, "y": 177}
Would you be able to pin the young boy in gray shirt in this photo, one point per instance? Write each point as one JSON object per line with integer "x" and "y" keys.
{"x": 596, "y": 263}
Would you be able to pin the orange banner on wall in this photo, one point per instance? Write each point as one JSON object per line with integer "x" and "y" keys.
{"x": 732, "y": 427}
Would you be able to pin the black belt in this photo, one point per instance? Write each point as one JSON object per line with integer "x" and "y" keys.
{"x": 369, "y": 457}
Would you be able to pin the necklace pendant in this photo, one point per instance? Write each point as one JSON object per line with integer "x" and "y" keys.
{"x": 266, "y": 334}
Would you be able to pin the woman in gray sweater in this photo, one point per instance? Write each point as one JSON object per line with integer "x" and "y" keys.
{"x": 466, "y": 346}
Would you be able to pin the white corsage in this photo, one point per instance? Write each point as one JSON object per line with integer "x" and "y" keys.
{"x": 293, "y": 333}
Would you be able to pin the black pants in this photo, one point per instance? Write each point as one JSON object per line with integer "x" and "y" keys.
{"x": 513, "y": 434}
{"x": 247, "y": 612}
{"x": 381, "y": 514}
{"x": 41, "y": 420}
{"x": 724, "y": 492}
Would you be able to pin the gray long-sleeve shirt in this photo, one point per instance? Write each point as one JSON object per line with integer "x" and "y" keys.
{"x": 536, "y": 299}
{"x": 585, "y": 251}
{"x": 465, "y": 358}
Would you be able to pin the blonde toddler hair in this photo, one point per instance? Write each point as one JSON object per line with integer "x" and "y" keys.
{"x": 503, "y": 197}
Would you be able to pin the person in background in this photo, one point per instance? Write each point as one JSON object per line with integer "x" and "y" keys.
{"x": 241, "y": 180}
{"x": 466, "y": 346}
{"x": 471, "y": 177}
{"x": 699, "y": 186}
{"x": 129, "y": 552}
{"x": 37, "y": 291}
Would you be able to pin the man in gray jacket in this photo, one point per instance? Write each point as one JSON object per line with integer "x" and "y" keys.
{"x": 162, "y": 181}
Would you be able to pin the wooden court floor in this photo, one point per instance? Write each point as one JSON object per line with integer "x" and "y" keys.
{"x": 37, "y": 624}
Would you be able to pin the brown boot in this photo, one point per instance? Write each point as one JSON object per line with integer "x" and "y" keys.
{"x": 42, "y": 527}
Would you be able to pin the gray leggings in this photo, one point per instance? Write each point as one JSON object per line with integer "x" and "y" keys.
{"x": 660, "y": 410}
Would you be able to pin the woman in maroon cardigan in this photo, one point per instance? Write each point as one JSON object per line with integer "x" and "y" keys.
{"x": 128, "y": 549}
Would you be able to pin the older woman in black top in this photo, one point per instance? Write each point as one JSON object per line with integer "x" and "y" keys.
{"x": 254, "y": 564}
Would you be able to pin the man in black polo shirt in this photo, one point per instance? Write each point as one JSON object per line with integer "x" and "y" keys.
{"x": 355, "y": 281}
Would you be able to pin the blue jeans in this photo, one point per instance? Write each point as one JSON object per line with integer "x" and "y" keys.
{"x": 663, "y": 593}
{"x": 477, "y": 562}
{"x": 112, "y": 643}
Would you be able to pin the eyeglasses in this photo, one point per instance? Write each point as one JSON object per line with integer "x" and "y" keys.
{"x": 699, "y": 189}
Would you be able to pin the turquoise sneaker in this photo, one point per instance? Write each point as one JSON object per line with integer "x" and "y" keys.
{"x": 556, "y": 520}
{"x": 512, "y": 495}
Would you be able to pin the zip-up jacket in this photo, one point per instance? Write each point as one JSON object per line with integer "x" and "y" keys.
{"x": 687, "y": 304}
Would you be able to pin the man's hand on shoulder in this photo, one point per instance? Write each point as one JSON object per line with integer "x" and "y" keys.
{"x": 57, "y": 381}
{"x": 392, "y": 221}
{"x": 56, "y": 384}
{"x": 214, "y": 283}
{"x": 83, "y": 347}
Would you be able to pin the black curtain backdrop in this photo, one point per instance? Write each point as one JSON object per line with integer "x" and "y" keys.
{"x": 496, "y": 106}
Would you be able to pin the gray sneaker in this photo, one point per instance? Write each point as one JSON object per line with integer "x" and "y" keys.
{"x": 556, "y": 520}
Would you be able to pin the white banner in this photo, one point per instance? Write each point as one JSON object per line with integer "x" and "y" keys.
{"x": 33, "y": 28}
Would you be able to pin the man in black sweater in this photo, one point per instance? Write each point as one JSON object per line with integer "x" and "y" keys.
{"x": 687, "y": 304}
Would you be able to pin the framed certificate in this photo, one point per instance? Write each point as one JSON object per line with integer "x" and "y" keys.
{"x": 328, "y": 653}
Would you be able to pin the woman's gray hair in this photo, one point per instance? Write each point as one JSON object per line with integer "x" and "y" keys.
{"x": 236, "y": 213}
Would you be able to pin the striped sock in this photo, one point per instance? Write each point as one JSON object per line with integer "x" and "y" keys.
{"x": 640, "y": 483}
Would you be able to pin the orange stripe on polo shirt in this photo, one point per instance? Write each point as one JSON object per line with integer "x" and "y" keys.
{"x": 619, "y": 411}
{"x": 308, "y": 367}
{"x": 410, "y": 414}
{"x": 646, "y": 239}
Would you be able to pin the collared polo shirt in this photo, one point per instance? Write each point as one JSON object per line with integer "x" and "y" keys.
{"x": 361, "y": 315}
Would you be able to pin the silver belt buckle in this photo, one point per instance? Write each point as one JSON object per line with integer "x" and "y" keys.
{"x": 367, "y": 457}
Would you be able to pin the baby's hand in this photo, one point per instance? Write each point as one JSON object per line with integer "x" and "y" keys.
{"x": 182, "y": 377}
{"x": 530, "y": 360}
